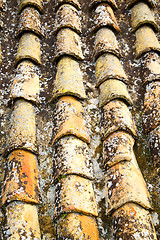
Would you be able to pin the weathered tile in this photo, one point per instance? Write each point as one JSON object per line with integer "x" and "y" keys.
{"x": 131, "y": 221}
{"x": 151, "y": 67}
{"x": 76, "y": 226}
{"x": 116, "y": 116}
{"x": 151, "y": 108}
{"x": 113, "y": 89}
{"x": 141, "y": 14}
{"x": 112, "y": 3}
{"x": 130, "y": 3}
{"x": 75, "y": 3}
{"x": 26, "y": 82}
{"x": 125, "y": 184}
{"x": 36, "y": 3}
{"x": 106, "y": 42}
{"x": 67, "y": 16}
{"x": 22, "y": 132}
{"x": 72, "y": 157}
{"x": 116, "y": 148}
{"x": 69, "y": 119}
{"x": 108, "y": 66}
{"x": 69, "y": 80}
{"x": 146, "y": 41}
{"x": 68, "y": 43}
{"x": 103, "y": 16}
{"x": 74, "y": 194}
{"x": 29, "y": 48}
{"x": 154, "y": 145}
{"x": 21, "y": 180}
{"x": 29, "y": 20}
{"x": 21, "y": 221}
{"x": 1, "y": 5}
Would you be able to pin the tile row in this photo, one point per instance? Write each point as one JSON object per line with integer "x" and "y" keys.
{"x": 74, "y": 203}
{"x": 125, "y": 185}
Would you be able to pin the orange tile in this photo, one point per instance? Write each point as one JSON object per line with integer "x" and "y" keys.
{"x": 21, "y": 180}
{"x": 35, "y": 3}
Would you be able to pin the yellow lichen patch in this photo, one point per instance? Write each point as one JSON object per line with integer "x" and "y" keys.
{"x": 21, "y": 221}
{"x": 75, "y": 194}
{"x": 131, "y": 221}
{"x": 21, "y": 180}
{"x": 146, "y": 41}
{"x": 141, "y": 14}
{"x": 69, "y": 79}
{"x": 29, "y": 48}
{"x": 22, "y": 132}
{"x": 108, "y": 66}
{"x": 112, "y": 3}
{"x": 30, "y": 21}
{"x": 35, "y": 3}
{"x": 76, "y": 226}
{"x": 68, "y": 42}
{"x": 125, "y": 184}
{"x": 116, "y": 148}
{"x": 104, "y": 17}
{"x": 106, "y": 42}
{"x": 69, "y": 119}
{"x": 67, "y": 16}
{"x": 26, "y": 83}
{"x": 116, "y": 116}
{"x": 113, "y": 89}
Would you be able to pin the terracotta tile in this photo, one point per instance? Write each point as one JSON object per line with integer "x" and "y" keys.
{"x": 22, "y": 132}
{"x": 154, "y": 144}
{"x": 26, "y": 83}
{"x": 130, "y": 3}
{"x": 151, "y": 67}
{"x": 35, "y": 3}
{"x": 29, "y": 48}
{"x": 69, "y": 119}
{"x": 125, "y": 184}
{"x": 29, "y": 20}
{"x": 106, "y": 42}
{"x": 68, "y": 42}
{"x": 141, "y": 14}
{"x": 76, "y": 226}
{"x": 103, "y": 16}
{"x": 75, "y": 3}
{"x": 72, "y": 157}
{"x": 131, "y": 221}
{"x": 108, "y": 66}
{"x": 67, "y": 16}
{"x": 69, "y": 80}
{"x": 21, "y": 222}
{"x": 112, "y": 3}
{"x": 116, "y": 116}
{"x": 74, "y": 194}
{"x": 146, "y": 41}
{"x": 21, "y": 180}
{"x": 151, "y": 110}
{"x": 113, "y": 89}
{"x": 116, "y": 148}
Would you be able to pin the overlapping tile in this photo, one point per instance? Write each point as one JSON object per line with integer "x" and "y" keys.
{"x": 72, "y": 160}
{"x": 36, "y": 3}
{"x": 141, "y": 14}
{"x": 67, "y": 16}
{"x": 75, "y": 3}
{"x": 29, "y": 48}
{"x": 68, "y": 79}
{"x": 69, "y": 119}
{"x": 116, "y": 148}
{"x": 130, "y": 3}
{"x": 75, "y": 194}
{"x": 21, "y": 180}
{"x": 77, "y": 226}
{"x": 116, "y": 116}
{"x": 112, "y": 3}
{"x": 68, "y": 43}
{"x": 113, "y": 89}
{"x": 104, "y": 17}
